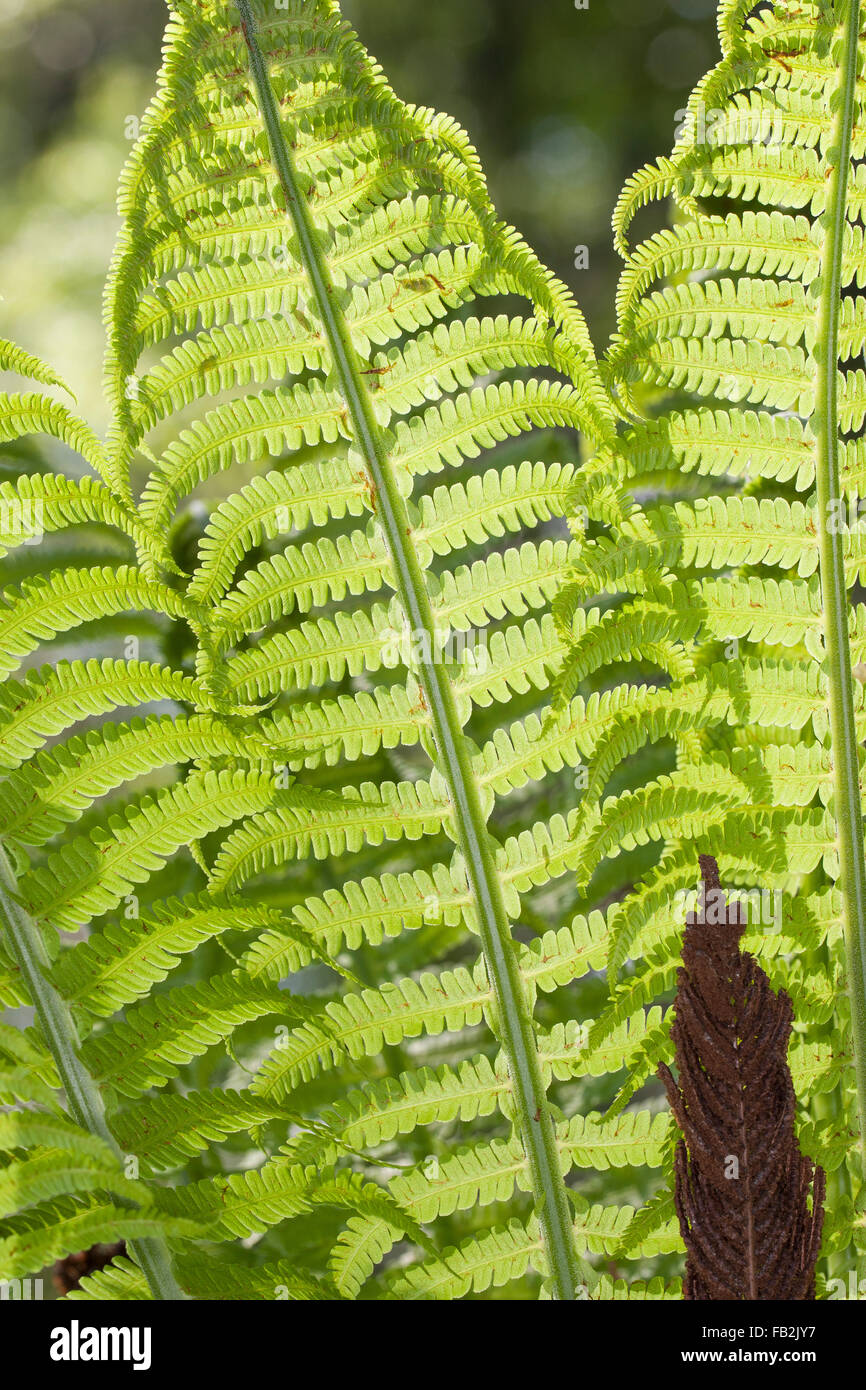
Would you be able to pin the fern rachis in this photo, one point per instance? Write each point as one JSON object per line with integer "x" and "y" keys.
{"x": 848, "y": 797}
{"x": 535, "y": 1122}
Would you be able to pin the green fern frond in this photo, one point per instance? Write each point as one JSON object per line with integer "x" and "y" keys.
{"x": 738, "y": 334}
{"x": 399, "y": 768}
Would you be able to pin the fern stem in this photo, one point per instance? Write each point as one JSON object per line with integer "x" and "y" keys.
{"x": 513, "y": 1016}
{"x": 846, "y": 767}
{"x": 60, "y": 1033}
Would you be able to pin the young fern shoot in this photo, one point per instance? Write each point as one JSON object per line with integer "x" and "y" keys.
{"x": 743, "y": 1189}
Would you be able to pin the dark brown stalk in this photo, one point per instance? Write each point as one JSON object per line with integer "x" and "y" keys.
{"x": 742, "y": 1185}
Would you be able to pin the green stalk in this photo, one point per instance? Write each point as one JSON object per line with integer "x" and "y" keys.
{"x": 514, "y": 1020}
{"x": 58, "y": 1027}
{"x": 846, "y": 768}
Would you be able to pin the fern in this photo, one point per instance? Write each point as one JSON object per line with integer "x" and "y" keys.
{"x": 734, "y": 363}
{"x": 296, "y": 301}
{"x": 335, "y": 773}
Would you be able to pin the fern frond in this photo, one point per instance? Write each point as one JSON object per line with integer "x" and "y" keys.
{"x": 21, "y": 415}
{"x": 361, "y": 1024}
{"x": 735, "y": 362}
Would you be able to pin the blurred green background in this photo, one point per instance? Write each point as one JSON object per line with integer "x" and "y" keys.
{"x": 562, "y": 102}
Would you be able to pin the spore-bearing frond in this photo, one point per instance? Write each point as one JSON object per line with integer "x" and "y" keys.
{"x": 743, "y": 1188}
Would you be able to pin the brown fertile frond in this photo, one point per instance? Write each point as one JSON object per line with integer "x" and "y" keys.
{"x": 742, "y": 1185}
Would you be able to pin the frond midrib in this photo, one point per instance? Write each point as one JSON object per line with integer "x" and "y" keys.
{"x": 513, "y": 1016}
{"x": 848, "y": 805}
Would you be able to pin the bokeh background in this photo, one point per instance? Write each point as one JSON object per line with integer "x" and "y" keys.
{"x": 562, "y": 102}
